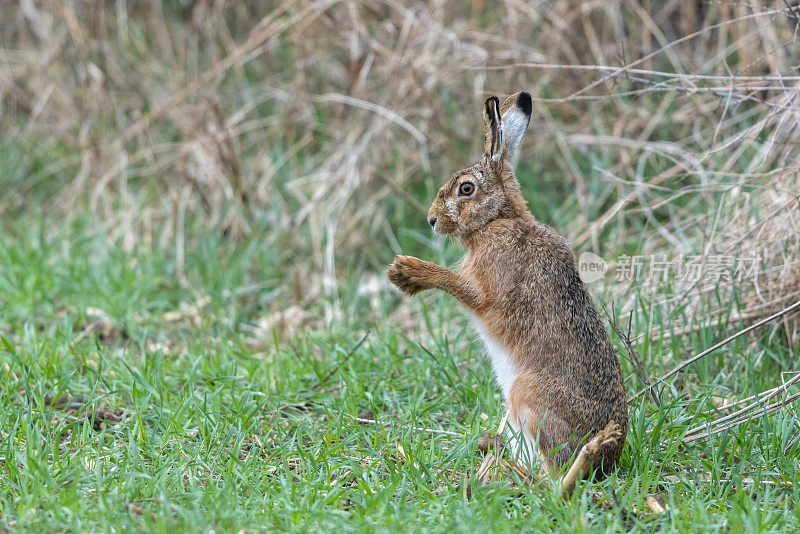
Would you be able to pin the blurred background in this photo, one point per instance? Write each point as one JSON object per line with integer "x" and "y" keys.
{"x": 277, "y": 155}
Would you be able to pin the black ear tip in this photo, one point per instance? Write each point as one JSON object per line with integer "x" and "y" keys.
{"x": 525, "y": 103}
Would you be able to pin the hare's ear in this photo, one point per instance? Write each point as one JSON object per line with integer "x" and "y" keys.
{"x": 493, "y": 148}
{"x": 515, "y": 115}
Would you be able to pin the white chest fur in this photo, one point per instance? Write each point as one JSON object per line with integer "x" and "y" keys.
{"x": 504, "y": 368}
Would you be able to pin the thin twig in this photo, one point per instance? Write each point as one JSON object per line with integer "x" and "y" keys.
{"x": 714, "y": 91}
{"x": 633, "y": 355}
{"x": 646, "y": 72}
{"x": 347, "y": 357}
{"x": 85, "y": 332}
{"x": 419, "y": 429}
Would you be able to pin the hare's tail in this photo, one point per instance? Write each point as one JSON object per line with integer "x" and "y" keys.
{"x": 590, "y": 454}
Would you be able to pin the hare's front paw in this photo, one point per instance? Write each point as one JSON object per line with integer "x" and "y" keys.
{"x": 411, "y": 275}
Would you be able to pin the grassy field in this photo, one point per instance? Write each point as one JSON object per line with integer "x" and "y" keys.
{"x": 130, "y": 401}
{"x": 198, "y": 201}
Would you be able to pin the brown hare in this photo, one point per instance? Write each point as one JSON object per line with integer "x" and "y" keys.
{"x": 550, "y": 351}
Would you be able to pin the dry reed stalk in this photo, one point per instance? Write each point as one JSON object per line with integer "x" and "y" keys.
{"x": 760, "y": 399}
{"x": 686, "y": 363}
{"x": 715, "y": 427}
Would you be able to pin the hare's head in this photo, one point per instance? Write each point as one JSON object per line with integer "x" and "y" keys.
{"x": 478, "y": 195}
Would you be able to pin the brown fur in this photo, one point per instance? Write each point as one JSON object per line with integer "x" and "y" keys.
{"x": 519, "y": 279}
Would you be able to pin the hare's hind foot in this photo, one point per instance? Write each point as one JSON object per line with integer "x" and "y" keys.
{"x": 591, "y": 454}
{"x": 534, "y": 467}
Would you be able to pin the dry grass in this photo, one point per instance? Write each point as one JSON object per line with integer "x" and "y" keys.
{"x": 676, "y": 121}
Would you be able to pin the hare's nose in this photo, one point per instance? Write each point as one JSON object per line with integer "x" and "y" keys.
{"x": 433, "y": 222}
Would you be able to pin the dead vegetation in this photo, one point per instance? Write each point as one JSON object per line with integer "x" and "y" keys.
{"x": 324, "y": 118}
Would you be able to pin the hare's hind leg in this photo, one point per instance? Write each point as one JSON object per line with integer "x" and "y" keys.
{"x": 540, "y": 434}
{"x": 535, "y": 437}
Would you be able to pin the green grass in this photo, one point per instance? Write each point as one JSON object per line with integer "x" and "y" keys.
{"x": 225, "y": 430}
{"x": 182, "y": 410}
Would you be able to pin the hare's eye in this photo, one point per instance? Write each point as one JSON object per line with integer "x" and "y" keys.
{"x": 466, "y": 189}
